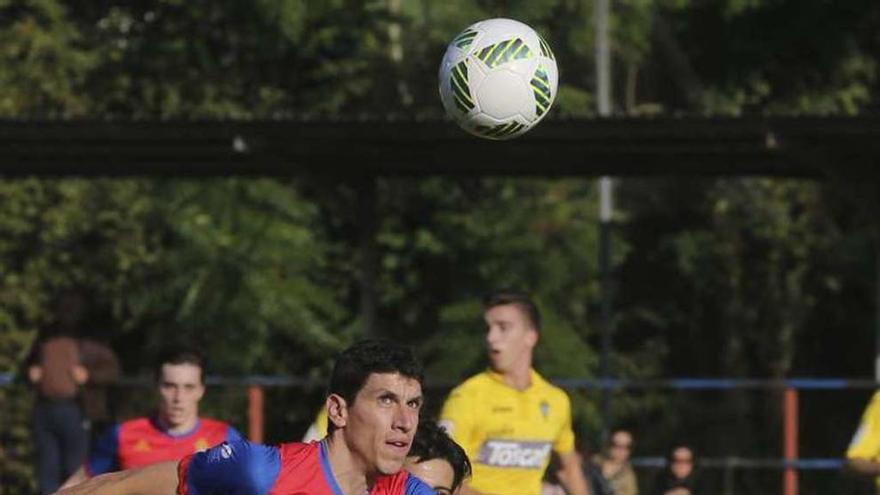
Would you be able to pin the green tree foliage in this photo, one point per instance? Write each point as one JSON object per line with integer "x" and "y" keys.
{"x": 723, "y": 277}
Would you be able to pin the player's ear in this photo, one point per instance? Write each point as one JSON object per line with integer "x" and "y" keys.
{"x": 337, "y": 410}
{"x": 201, "y": 392}
{"x": 532, "y": 337}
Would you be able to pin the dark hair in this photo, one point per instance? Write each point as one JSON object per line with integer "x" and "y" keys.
{"x": 432, "y": 442}
{"x": 180, "y": 355}
{"x": 355, "y": 365}
{"x": 670, "y": 455}
{"x": 517, "y": 298}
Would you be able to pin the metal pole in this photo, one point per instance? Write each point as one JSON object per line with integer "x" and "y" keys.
{"x": 877, "y": 308}
{"x": 790, "y": 440}
{"x": 606, "y": 204}
{"x": 368, "y": 225}
{"x": 255, "y": 413}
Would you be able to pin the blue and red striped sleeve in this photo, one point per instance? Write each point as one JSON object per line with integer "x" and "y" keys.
{"x": 232, "y": 435}
{"x": 231, "y": 468}
{"x": 415, "y": 486}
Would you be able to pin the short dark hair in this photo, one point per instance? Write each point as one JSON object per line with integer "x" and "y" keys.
{"x": 520, "y": 299}
{"x": 180, "y": 355}
{"x": 355, "y": 365}
{"x": 432, "y": 442}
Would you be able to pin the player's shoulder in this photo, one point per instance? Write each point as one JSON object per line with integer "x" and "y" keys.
{"x": 249, "y": 466}
{"x": 401, "y": 483}
{"x": 295, "y": 452}
{"x": 475, "y": 383}
{"x": 142, "y": 423}
{"x": 544, "y": 386}
{"x": 212, "y": 424}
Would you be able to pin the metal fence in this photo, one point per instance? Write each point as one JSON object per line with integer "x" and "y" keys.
{"x": 244, "y": 402}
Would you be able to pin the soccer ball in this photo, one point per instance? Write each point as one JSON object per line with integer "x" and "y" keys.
{"x": 498, "y": 78}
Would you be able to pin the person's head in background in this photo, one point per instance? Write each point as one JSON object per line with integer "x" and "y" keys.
{"x": 180, "y": 381}
{"x": 512, "y": 325}
{"x": 437, "y": 460}
{"x": 680, "y": 461}
{"x": 619, "y": 446}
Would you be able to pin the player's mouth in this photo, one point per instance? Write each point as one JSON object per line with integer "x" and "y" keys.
{"x": 400, "y": 447}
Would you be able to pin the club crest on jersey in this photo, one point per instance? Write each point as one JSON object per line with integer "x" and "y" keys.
{"x": 142, "y": 446}
{"x": 545, "y": 408}
{"x": 201, "y": 444}
{"x": 514, "y": 454}
{"x": 220, "y": 453}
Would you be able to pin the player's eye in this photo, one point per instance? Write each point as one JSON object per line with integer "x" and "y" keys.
{"x": 386, "y": 400}
{"x": 415, "y": 404}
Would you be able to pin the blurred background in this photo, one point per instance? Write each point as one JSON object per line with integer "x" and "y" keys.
{"x": 717, "y": 277}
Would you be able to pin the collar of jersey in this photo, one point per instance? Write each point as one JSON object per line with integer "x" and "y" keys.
{"x": 325, "y": 468}
{"x": 534, "y": 378}
{"x": 158, "y": 426}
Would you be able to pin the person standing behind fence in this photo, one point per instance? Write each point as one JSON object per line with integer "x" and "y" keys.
{"x": 56, "y": 371}
{"x": 104, "y": 369}
{"x": 679, "y": 477}
{"x": 611, "y": 472}
{"x": 863, "y": 453}
{"x": 509, "y": 418}
{"x": 174, "y": 431}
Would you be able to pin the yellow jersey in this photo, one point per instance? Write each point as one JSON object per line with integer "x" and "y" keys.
{"x": 866, "y": 442}
{"x": 507, "y": 433}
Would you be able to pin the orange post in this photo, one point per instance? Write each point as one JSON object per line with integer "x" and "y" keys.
{"x": 255, "y": 413}
{"x": 790, "y": 440}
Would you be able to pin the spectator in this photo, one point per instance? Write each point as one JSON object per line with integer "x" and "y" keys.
{"x": 611, "y": 472}
{"x": 56, "y": 370}
{"x": 679, "y": 476}
{"x": 103, "y": 366}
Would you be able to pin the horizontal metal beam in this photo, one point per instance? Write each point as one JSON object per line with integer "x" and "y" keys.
{"x": 793, "y": 147}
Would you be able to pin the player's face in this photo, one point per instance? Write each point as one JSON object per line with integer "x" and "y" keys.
{"x": 510, "y": 337}
{"x": 437, "y": 473}
{"x": 180, "y": 390}
{"x": 381, "y": 423}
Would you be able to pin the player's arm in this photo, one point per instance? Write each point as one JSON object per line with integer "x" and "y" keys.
{"x": 156, "y": 479}
{"x": 863, "y": 450}
{"x": 865, "y": 467}
{"x": 571, "y": 474}
{"x": 457, "y": 420}
{"x": 76, "y": 478}
{"x": 101, "y": 458}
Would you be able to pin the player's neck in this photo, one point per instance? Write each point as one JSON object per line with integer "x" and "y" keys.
{"x": 348, "y": 470}
{"x": 519, "y": 377}
{"x": 178, "y": 429}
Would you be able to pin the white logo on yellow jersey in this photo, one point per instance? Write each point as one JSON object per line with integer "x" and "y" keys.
{"x": 513, "y": 454}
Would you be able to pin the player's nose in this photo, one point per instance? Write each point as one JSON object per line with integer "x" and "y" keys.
{"x": 405, "y": 419}
{"x": 491, "y": 334}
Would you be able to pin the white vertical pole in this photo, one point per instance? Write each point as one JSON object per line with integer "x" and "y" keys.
{"x": 606, "y": 204}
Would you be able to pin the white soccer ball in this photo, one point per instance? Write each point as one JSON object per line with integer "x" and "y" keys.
{"x": 498, "y": 78}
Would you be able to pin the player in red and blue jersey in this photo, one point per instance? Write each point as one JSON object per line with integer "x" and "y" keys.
{"x": 175, "y": 431}
{"x": 373, "y": 404}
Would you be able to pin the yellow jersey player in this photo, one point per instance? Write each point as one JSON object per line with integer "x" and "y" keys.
{"x": 508, "y": 418}
{"x": 863, "y": 454}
